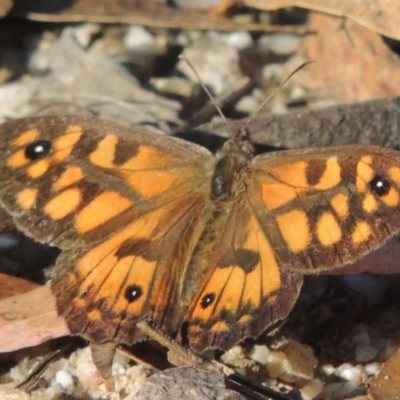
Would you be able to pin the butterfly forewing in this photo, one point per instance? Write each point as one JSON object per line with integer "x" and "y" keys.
{"x": 323, "y": 208}
{"x": 75, "y": 181}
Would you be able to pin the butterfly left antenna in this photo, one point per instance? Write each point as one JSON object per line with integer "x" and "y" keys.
{"x": 211, "y": 97}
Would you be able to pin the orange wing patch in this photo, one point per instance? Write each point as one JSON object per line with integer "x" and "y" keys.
{"x": 27, "y": 198}
{"x": 26, "y": 137}
{"x": 100, "y": 210}
{"x": 63, "y": 204}
{"x": 145, "y": 171}
{"x": 69, "y": 177}
{"x": 295, "y": 228}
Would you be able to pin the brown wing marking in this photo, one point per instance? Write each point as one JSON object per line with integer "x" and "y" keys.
{"x": 330, "y": 208}
{"x": 135, "y": 272}
{"x": 245, "y": 291}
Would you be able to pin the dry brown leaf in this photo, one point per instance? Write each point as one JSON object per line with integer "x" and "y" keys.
{"x": 143, "y": 12}
{"x": 386, "y": 386}
{"x": 12, "y": 286}
{"x": 378, "y": 15}
{"x": 353, "y": 63}
{"x": 29, "y": 319}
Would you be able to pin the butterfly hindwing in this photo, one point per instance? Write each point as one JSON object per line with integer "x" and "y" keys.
{"x": 244, "y": 289}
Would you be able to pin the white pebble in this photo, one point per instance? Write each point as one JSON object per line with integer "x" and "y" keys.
{"x": 216, "y": 63}
{"x": 239, "y": 40}
{"x": 137, "y": 36}
{"x": 247, "y": 104}
{"x": 373, "y": 368}
{"x": 260, "y": 354}
{"x": 64, "y": 378}
{"x": 281, "y": 43}
{"x": 350, "y": 373}
{"x": 232, "y": 355}
{"x": 84, "y": 33}
{"x": 328, "y": 369}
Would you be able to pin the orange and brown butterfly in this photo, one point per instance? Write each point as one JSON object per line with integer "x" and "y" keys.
{"x": 150, "y": 225}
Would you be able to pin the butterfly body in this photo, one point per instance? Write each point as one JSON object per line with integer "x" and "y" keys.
{"x": 151, "y": 225}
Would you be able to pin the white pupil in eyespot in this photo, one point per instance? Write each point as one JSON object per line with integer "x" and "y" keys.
{"x": 39, "y": 149}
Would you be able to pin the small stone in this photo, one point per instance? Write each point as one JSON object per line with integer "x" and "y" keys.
{"x": 365, "y": 353}
{"x": 260, "y": 354}
{"x": 9, "y": 393}
{"x": 362, "y": 337}
{"x": 350, "y": 373}
{"x": 328, "y": 369}
{"x": 138, "y": 36}
{"x": 340, "y": 390}
{"x": 216, "y": 63}
{"x": 312, "y": 389}
{"x": 373, "y": 368}
{"x": 64, "y": 378}
{"x": 232, "y": 355}
{"x": 239, "y": 40}
{"x": 280, "y": 43}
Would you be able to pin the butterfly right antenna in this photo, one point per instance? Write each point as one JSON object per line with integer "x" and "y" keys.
{"x": 247, "y": 123}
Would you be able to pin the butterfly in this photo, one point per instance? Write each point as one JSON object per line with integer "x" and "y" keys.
{"x": 209, "y": 247}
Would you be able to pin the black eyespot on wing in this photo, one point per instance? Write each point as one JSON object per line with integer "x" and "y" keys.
{"x": 380, "y": 186}
{"x": 38, "y": 149}
{"x": 133, "y": 293}
{"x": 207, "y": 300}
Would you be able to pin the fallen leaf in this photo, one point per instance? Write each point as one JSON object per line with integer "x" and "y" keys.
{"x": 12, "y": 286}
{"x": 29, "y": 319}
{"x": 378, "y": 15}
{"x": 386, "y": 386}
{"x": 352, "y": 62}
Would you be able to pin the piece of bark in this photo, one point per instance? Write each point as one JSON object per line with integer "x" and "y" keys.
{"x": 371, "y": 122}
